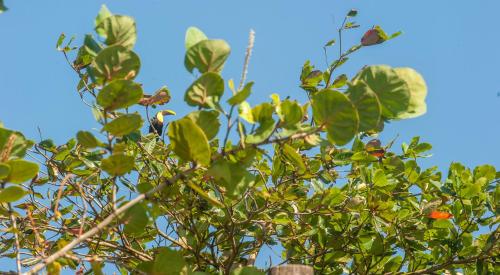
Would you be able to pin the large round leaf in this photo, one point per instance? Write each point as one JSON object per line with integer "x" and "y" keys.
{"x": 136, "y": 220}
{"x": 207, "y": 56}
{"x": 115, "y": 62}
{"x": 118, "y": 165}
{"x": 4, "y": 170}
{"x": 391, "y": 89}
{"x": 418, "y": 92}
{"x": 206, "y": 91}
{"x": 118, "y": 30}
{"x": 367, "y": 104}
{"x": 119, "y": 94}
{"x": 335, "y": 111}
{"x": 188, "y": 141}
{"x": 87, "y": 139}
{"x": 12, "y": 194}
{"x": 124, "y": 124}
{"x": 21, "y": 170}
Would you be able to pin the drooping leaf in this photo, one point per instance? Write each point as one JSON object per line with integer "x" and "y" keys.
{"x": 392, "y": 91}
{"x": 135, "y": 220}
{"x": 242, "y": 95}
{"x": 337, "y": 113}
{"x": 206, "y": 91}
{"x": 21, "y": 170}
{"x": 208, "y": 121}
{"x": 367, "y": 104}
{"x": 115, "y": 62}
{"x": 118, "y": 164}
{"x": 87, "y": 139}
{"x": 189, "y": 141}
{"x": 119, "y": 94}
{"x": 118, "y": 30}
{"x": 124, "y": 124}
{"x": 207, "y": 56}
{"x": 160, "y": 97}
{"x": 193, "y": 36}
{"x": 12, "y": 193}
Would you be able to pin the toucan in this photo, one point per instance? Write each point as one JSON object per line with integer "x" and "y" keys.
{"x": 156, "y": 124}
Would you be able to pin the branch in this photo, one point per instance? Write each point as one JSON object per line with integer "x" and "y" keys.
{"x": 16, "y": 238}
{"x": 103, "y": 224}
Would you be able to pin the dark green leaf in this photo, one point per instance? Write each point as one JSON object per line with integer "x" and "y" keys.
{"x": 4, "y": 170}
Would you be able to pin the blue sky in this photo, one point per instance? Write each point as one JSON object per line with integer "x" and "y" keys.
{"x": 453, "y": 44}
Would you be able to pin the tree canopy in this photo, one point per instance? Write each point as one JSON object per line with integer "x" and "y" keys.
{"x": 204, "y": 193}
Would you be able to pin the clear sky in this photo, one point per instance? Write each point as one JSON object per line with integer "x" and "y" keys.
{"x": 453, "y": 44}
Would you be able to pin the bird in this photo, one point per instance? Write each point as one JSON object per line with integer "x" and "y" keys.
{"x": 156, "y": 124}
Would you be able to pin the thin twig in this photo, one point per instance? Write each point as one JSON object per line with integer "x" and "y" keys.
{"x": 16, "y": 238}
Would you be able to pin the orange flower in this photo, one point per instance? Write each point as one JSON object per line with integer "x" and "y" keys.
{"x": 440, "y": 215}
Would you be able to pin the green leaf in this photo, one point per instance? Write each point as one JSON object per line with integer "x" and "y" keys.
{"x": 367, "y": 104}
{"x": 136, "y": 219}
{"x": 290, "y": 113}
{"x": 391, "y": 89}
{"x": 169, "y": 262}
{"x": 330, "y": 43}
{"x": 379, "y": 178}
{"x": 21, "y": 170}
{"x": 103, "y": 14}
{"x": 245, "y": 112}
{"x": 294, "y": 158}
{"x": 418, "y": 92}
{"x": 118, "y": 165}
{"x": 12, "y": 193}
{"x": 193, "y": 36}
{"x": 124, "y": 124}
{"x": 334, "y": 110}
{"x": 208, "y": 121}
{"x": 60, "y": 40}
{"x": 87, "y": 139}
{"x": 189, "y": 142}
{"x": 247, "y": 270}
{"x": 241, "y": 95}
{"x": 207, "y": 56}
{"x": 119, "y": 94}
{"x": 115, "y": 62}
{"x": 206, "y": 91}
{"x": 4, "y": 170}
{"x": 262, "y": 113}
{"x": 233, "y": 177}
{"x": 118, "y": 30}
{"x": 352, "y": 13}
{"x": 18, "y": 143}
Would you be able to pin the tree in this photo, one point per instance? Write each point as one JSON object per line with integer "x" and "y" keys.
{"x": 208, "y": 192}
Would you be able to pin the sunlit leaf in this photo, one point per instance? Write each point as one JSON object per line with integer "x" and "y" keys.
{"x": 206, "y": 91}
{"x": 189, "y": 141}
{"x": 21, "y": 170}
{"x": 193, "y": 36}
{"x": 115, "y": 62}
{"x": 12, "y": 193}
{"x": 207, "y": 56}
{"x": 118, "y": 165}
{"x": 124, "y": 124}
{"x": 119, "y": 94}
